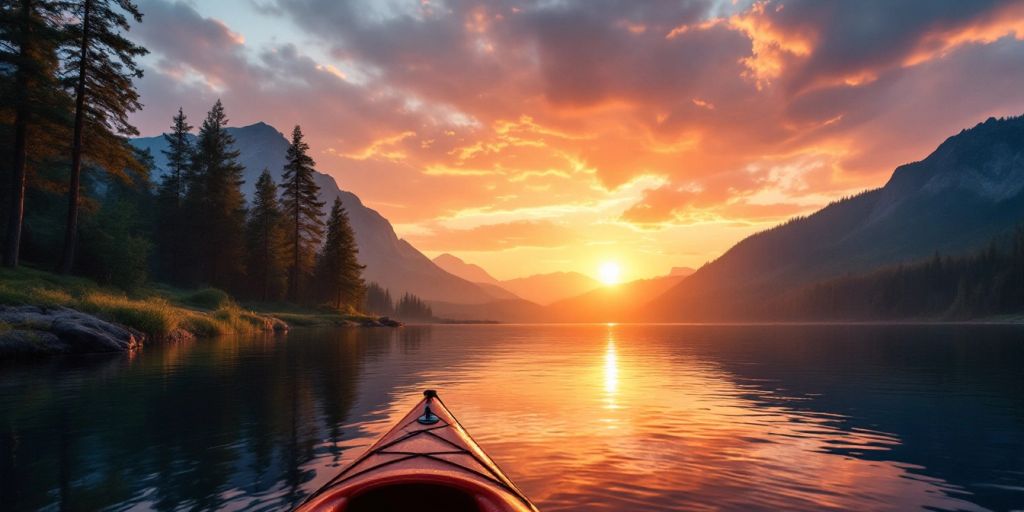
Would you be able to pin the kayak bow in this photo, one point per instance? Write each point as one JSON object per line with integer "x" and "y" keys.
{"x": 427, "y": 461}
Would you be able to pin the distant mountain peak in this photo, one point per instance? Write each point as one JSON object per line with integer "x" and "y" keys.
{"x": 550, "y": 287}
{"x": 965, "y": 192}
{"x": 468, "y": 271}
{"x": 260, "y": 126}
{"x": 448, "y": 257}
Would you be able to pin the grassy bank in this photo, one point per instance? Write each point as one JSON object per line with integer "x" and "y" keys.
{"x": 159, "y": 311}
{"x": 300, "y": 316}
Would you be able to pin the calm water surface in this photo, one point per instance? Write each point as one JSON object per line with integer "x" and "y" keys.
{"x": 595, "y": 417}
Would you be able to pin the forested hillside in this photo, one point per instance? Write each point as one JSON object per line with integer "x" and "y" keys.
{"x": 970, "y": 189}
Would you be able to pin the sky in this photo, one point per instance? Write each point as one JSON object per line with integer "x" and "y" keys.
{"x": 558, "y": 135}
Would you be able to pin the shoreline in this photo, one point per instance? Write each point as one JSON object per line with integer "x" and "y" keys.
{"x": 42, "y": 313}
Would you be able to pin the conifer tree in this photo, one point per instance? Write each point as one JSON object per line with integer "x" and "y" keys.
{"x": 378, "y": 300}
{"x": 30, "y": 33}
{"x": 267, "y": 268}
{"x": 413, "y": 308}
{"x": 102, "y": 68}
{"x": 338, "y": 272}
{"x": 116, "y": 237}
{"x": 216, "y": 203}
{"x": 302, "y": 209}
{"x": 172, "y": 235}
{"x": 179, "y": 157}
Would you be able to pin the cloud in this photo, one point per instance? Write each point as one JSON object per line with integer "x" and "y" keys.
{"x": 495, "y": 237}
{"x": 837, "y": 43}
{"x": 744, "y": 112}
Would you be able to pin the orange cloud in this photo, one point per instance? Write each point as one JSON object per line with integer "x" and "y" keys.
{"x": 559, "y": 126}
{"x": 495, "y": 237}
{"x": 383, "y": 148}
{"x": 1005, "y": 22}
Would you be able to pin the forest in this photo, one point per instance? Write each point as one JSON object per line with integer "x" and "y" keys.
{"x": 986, "y": 283}
{"x": 77, "y": 199}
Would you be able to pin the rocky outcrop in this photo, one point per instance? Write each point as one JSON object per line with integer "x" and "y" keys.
{"x": 35, "y": 330}
{"x": 372, "y": 322}
{"x": 388, "y": 322}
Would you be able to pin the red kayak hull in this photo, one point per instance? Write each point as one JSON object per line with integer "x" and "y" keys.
{"x": 431, "y": 465}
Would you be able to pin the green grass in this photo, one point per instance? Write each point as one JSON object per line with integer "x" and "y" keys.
{"x": 153, "y": 315}
{"x": 156, "y": 310}
{"x": 210, "y": 298}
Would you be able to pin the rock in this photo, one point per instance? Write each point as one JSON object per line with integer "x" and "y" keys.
{"x": 374, "y": 322}
{"x": 278, "y": 325}
{"x": 30, "y": 317}
{"x": 40, "y": 331}
{"x": 21, "y": 342}
{"x": 388, "y": 322}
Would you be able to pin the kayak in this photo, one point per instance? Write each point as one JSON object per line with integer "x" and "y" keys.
{"x": 426, "y": 462}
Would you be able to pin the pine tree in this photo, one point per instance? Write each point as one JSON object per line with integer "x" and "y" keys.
{"x": 378, "y": 300}
{"x": 413, "y": 308}
{"x": 216, "y": 203}
{"x": 338, "y": 272}
{"x": 302, "y": 210}
{"x": 102, "y": 68}
{"x": 179, "y": 157}
{"x": 30, "y": 33}
{"x": 172, "y": 234}
{"x": 116, "y": 243}
{"x": 267, "y": 268}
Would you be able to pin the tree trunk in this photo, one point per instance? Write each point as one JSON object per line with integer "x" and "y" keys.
{"x": 16, "y": 214}
{"x": 265, "y": 271}
{"x": 295, "y": 254}
{"x": 67, "y": 260}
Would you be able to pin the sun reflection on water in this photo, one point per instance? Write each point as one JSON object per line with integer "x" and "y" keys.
{"x": 650, "y": 409}
{"x": 583, "y": 417}
{"x": 611, "y": 370}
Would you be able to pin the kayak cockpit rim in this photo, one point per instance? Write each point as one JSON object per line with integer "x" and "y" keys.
{"x": 470, "y": 470}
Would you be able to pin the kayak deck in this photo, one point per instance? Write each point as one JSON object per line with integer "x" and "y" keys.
{"x": 427, "y": 461}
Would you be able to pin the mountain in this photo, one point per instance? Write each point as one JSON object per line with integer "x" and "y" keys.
{"x": 548, "y": 288}
{"x": 390, "y": 261}
{"x": 539, "y": 289}
{"x": 616, "y": 303}
{"x": 474, "y": 274}
{"x": 970, "y": 189}
{"x": 468, "y": 271}
{"x": 681, "y": 271}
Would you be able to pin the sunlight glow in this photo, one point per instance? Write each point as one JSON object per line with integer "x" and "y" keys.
{"x": 609, "y": 273}
{"x": 611, "y": 371}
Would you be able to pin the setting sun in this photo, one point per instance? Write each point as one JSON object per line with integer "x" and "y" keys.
{"x": 609, "y": 273}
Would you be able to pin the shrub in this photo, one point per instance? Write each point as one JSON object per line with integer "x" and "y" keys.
{"x": 204, "y": 326}
{"x": 210, "y": 298}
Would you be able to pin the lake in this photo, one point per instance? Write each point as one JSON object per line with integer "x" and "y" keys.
{"x": 582, "y": 417}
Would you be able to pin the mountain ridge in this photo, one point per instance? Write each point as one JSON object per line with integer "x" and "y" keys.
{"x": 468, "y": 271}
{"x": 540, "y": 289}
{"x": 545, "y": 289}
{"x": 390, "y": 261}
{"x": 969, "y": 189}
